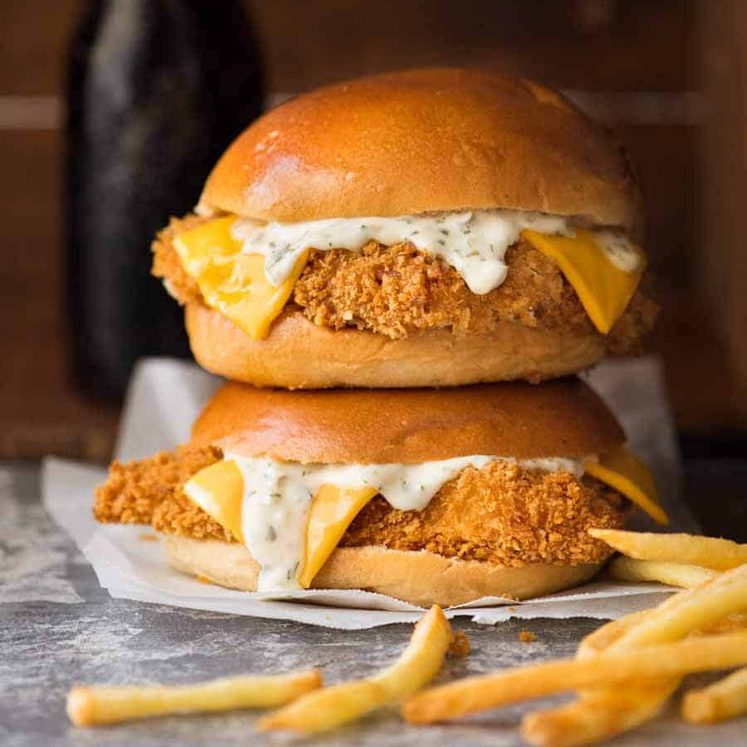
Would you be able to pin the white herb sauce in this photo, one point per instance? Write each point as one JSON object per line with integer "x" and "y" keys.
{"x": 473, "y": 243}
{"x": 619, "y": 249}
{"x": 277, "y": 497}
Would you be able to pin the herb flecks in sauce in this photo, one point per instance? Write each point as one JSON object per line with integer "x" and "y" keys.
{"x": 278, "y": 495}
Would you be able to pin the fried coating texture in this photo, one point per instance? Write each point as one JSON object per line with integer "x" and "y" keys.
{"x": 501, "y": 514}
{"x": 149, "y": 491}
{"x": 398, "y": 290}
{"x": 166, "y": 262}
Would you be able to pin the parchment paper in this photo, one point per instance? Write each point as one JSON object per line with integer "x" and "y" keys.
{"x": 165, "y": 397}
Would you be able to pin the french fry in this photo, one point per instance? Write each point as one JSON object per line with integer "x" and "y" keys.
{"x": 607, "y": 634}
{"x": 340, "y": 704}
{"x": 722, "y": 700}
{"x": 673, "y": 574}
{"x": 604, "y": 636}
{"x": 691, "y": 610}
{"x": 709, "y": 552}
{"x": 90, "y": 706}
{"x": 598, "y": 716}
{"x": 730, "y": 624}
{"x": 602, "y": 714}
{"x": 503, "y": 688}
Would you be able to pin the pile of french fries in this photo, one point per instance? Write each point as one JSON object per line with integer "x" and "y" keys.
{"x": 623, "y": 672}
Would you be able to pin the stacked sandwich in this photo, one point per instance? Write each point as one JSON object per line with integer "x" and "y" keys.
{"x": 400, "y": 276}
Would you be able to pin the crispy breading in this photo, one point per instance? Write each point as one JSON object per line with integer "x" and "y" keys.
{"x": 398, "y": 290}
{"x": 501, "y": 513}
{"x": 166, "y": 262}
{"x": 149, "y": 491}
{"x": 638, "y": 319}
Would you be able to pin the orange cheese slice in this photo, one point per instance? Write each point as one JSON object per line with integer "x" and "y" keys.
{"x": 219, "y": 491}
{"x": 603, "y": 289}
{"x": 332, "y": 511}
{"x": 626, "y": 473}
{"x": 232, "y": 282}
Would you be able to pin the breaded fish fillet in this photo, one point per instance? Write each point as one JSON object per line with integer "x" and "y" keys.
{"x": 399, "y": 290}
{"x": 501, "y": 513}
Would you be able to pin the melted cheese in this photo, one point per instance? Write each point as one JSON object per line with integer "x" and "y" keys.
{"x": 268, "y": 505}
{"x": 219, "y": 491}
{"x": 598, "y": 267}
{"x": 231, "y": 281}
{"x": 331, "y": 513}
{"x": 626, "y": 473}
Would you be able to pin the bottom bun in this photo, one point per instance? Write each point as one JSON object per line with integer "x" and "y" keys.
{"x": 298, "y": 354}
{"x": 420, "y": 578}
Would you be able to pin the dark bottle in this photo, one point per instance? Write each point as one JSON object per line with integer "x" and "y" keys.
{"x": 156, "y": 91}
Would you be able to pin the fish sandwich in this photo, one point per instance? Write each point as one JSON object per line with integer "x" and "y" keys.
{"x": 430, "y": 496}
{"x": 372, "y": 233}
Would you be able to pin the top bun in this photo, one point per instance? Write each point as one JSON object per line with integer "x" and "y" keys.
{"x": 562, "y": 418}
{"x": 444, "y": 139}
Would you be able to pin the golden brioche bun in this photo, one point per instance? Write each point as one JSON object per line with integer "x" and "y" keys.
{"x": 562, "y": 418}
{"x": 421, "y": 578}
{"x": 298, "y": 354}
{"x": 425, "y": 140}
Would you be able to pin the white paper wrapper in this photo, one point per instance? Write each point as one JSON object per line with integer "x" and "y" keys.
{"x": 164, "y": 398}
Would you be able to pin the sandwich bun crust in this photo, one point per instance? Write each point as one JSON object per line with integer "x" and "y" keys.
{"x": 421, "y": 578}
{"x": 442, "y": 139}
{"x": 562, "y": 418}
{"x": 299, "y": 354}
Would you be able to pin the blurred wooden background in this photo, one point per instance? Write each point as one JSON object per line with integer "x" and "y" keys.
{"x": 669, "y": 75}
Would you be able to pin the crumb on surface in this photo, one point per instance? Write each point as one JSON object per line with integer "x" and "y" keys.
{"x": 147, "y": 537}
{"x": 460, "y": 644}
{"x": 526, "y": 636}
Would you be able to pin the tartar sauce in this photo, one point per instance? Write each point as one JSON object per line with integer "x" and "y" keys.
{"x": 277, "y": 497}
{"x": 619, "y": 249}
{"x": 474, "y": 243}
